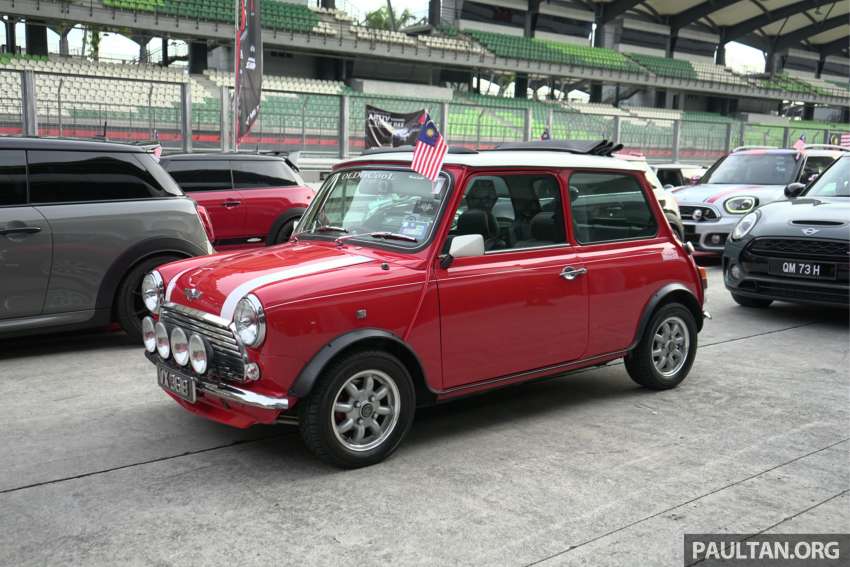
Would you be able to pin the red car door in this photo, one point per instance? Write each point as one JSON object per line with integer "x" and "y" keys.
{"x": 268, "y": 189}
{"x": 209, "y": 183}
{"x": 522, "y": 305}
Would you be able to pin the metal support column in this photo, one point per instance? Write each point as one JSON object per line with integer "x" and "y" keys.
{"x": 550, "y": 123}
{"x": 225, "y": 124}
{"x": 528, "y": 118}
{"x": 786, "y": 133}
{"x": 444, "y": 120}
{"x": 728, "y": 147}
{"x": 677, "y": 128}
{"x": 826, "y": 134}
{"x": 29, "y": 116}
{"x": 343, "y": 126}
{"x": 186, "y": 116}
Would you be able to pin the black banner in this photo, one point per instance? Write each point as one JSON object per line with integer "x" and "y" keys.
{"x": 386, "y": 129}
{"x": 249, "y": 66}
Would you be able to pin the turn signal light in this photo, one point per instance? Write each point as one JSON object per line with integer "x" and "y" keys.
{"x": 703, "y": 276}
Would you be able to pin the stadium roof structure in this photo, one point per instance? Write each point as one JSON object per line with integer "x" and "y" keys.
{"x": 819, "y": 26}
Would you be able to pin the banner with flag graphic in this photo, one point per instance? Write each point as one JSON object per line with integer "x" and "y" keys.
{"x": 845, "y": 140}
{"x": 249, "y": 67}
{"x": 430, "y": 150}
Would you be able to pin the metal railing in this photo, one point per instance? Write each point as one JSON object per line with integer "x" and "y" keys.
{"x": 53, "y": 104}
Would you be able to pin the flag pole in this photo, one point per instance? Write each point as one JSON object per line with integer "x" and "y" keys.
{"x": 236, "y": 55}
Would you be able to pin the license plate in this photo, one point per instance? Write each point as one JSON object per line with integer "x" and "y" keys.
{"x": 794, "y": 268}
{"x": 177, "y": 383}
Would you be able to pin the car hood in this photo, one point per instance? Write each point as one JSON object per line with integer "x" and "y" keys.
{"x": 812, "y": 217}
{"x": 717, "y": 193}
{"x": 282, "y": 274}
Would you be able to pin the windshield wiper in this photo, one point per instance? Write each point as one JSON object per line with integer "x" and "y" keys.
{"x": 329, "y": 228}
{"x": 379, "y": 234}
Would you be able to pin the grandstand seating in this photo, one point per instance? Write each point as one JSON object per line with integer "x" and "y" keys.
{"x": 373, "y": 34}
{"x": 687, "y": 70}
{"x": 596, "y": 108}
{"x": 554, "y": 52}
{"x": 781, "y": 82}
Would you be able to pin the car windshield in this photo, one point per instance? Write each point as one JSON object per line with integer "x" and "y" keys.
{"x": 372, "y": 205}
{"x": 755, "y": 169}
{"x": 835, "y": 181}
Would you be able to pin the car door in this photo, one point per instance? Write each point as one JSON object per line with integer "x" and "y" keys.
{"x": 265, "y": 188}
{"x": 616, "y": 231}
{"x": 210, "y": 183}
{"x": 26, "y": 246}
{"x": 521, "y": 306}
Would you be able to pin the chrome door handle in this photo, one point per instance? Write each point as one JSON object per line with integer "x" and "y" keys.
{"x": 19, "y": 230}
{"x": 231, "y": 204}
{"x": 569, "y": 273}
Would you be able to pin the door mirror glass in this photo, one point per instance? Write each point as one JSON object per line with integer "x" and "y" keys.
{"x": 467, "y": 246}
{"x": 793, "y": 190}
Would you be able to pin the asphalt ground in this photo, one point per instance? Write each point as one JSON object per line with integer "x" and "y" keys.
{"x": 99, "y": 467}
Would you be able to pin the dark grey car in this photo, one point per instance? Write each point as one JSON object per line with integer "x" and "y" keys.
{"x": 80, "y": 225}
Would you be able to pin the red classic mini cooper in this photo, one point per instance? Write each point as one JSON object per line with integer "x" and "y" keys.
{"x": 394, "y": 292}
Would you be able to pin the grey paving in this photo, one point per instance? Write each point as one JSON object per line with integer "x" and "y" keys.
{"x": 97, "y": 467}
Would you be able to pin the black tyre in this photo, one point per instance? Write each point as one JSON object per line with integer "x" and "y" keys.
{"x": 665, "y": 353}
{"x": 676, "y": 225}
{"x": 755, "y": 302}
{"x": 359, "y": 411}
{"x": 129, "y": 308}
{"x": 284, "y": 233}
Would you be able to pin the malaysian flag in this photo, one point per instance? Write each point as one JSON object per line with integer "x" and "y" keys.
{"x": 845, "y": 140}
{"x": 430, "y": 149}
{"x": 800, "y": 144}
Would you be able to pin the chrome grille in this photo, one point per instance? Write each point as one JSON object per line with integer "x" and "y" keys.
{"x": 228, "y": 357}
{"x": 834, "y": 250}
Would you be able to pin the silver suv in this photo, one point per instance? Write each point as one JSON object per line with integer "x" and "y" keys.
{"x": 81, "y": 223}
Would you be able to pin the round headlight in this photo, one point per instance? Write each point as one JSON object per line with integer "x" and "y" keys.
{"x": 149, "y": 334}
{"x": 152, "y": 290}
{"x": 198, "y": 354}
{"x": 180, "y": 346}
{"x": 740, "y": 205}
{"x": 163, "y": 347}
{"x": 745, "y": 225}
{"x": 250, "y": 321}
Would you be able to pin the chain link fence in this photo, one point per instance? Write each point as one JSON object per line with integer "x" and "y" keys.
{"x": 131, "y": 110}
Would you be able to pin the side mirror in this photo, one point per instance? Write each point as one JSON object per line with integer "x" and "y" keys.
{"x": 793, "y": 190}
{"x": 695, "y": 179}
{"x": 466, "y": 246}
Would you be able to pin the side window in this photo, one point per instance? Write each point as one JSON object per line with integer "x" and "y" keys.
{"x": 609, "y": 206}
{"x": 815, "y": 166}
{"x": 200, "y": 175}
{"x": 68, "y": 176}
{"x": 262, "y": 173}
{"x": 13, "y": 177}
{"x": 670, "y": 177}
{"x": 512, "y": 211}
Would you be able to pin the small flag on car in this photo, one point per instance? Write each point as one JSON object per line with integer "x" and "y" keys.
{"x": 800, "y": 144}
{"x": 430, "y": 150}
{"x": 845, "y": 140}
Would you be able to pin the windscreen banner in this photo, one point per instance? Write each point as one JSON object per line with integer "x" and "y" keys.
{"x": 249, "y": 66}
{"x": 385, "y": 129}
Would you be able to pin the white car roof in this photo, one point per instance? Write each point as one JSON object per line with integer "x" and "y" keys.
{"x": 678, "y": 166}
{"x": 509, "y": 158}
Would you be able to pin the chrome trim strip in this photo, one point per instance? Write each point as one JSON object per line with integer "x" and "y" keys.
{"x": 232, "y": 393}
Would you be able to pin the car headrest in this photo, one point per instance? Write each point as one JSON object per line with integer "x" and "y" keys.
{"x": 475, "y": 221}
{"x": 546, "y": 227}
{"x": 482, "y": 195}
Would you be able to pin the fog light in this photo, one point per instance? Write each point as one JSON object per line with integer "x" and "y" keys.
{"x": 735, "y": 272}
{"x": 252, "y": 371}
{"x": 198, "y": 354}
{"x": 162, "y": 345}
{"x": 180, "y": 346}
{"x": 697, "y": 214}
{"x": 715, "y": 239}
{"x": 149, "y": 334}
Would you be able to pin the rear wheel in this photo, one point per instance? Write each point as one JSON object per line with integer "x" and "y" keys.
{"x": 755, "y": 302}
{"x": 129, "y": 307}
{"x": 359, "y": 411}
{"x": 285, "y": 232}
{"x": 665, "y": 353}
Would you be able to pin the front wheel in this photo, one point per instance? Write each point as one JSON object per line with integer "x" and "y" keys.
{"x": 665, "y": 353}
{"x": 284, "y": 233}
{"x": 359, "y": 411}
{"x": 129, "y": 307}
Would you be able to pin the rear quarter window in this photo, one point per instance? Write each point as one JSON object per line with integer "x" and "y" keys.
{"x": 262, "y": 173}
{"x": 62, "y": 176}
{"x": 200, "y": 175}
{"x": 609, "y": 207}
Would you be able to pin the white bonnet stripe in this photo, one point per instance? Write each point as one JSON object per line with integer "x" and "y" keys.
{"x": 247, "y": 287}
{"x": 173, "y": 283}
